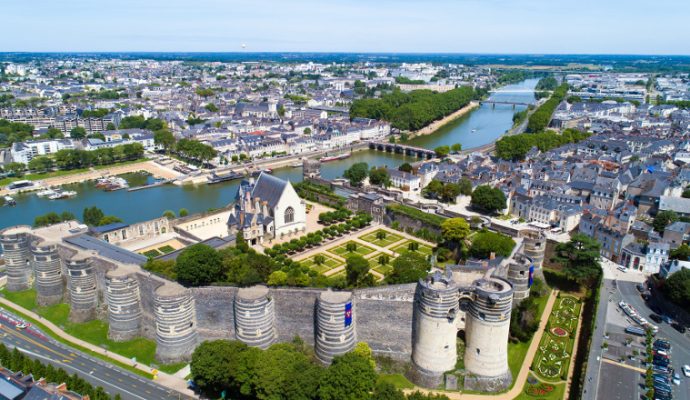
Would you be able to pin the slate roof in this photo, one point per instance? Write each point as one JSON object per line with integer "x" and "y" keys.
{"x": 106, "y": 249}
{"x": 269, "y": 188}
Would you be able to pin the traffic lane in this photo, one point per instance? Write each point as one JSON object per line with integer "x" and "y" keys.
{"x": 591, "y": 384}
{"x": 680, "y": 352}
{"x": 97, "y": 372}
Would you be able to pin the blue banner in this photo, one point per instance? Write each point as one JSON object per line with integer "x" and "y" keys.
{"x": 531, "y": 275}
{"x": 348, "y": 314}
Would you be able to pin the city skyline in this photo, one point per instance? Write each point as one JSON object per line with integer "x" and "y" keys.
{"x": 440, "y": 26}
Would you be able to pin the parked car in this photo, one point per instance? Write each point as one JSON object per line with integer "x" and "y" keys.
{"x": 23, "y": 325}
{"x": 656, "y": 318}
{"x": 677, "y": 326}
{"x": 676, "y": 379}
{"x": 640, "y": 287}
{"x": 662, "y": 369}
{"x": 686, "y": 370}
{"x": 667, "y": 319}
{"x": 662, "y": 344}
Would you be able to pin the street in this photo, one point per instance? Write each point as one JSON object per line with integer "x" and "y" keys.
{"x": 114, "y": 380}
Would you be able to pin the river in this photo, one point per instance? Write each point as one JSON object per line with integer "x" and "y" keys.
{"x": 479, "y": 127}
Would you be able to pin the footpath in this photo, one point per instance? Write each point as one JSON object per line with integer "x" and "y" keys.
{"x": 163, "y": 379}
{"x": 520, "y": 380}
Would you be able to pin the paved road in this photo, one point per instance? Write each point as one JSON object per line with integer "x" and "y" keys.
{"x": 589, "y": 391}
{"x": 114, "y": 380}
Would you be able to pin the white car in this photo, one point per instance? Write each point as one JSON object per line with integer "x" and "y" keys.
{"x": 22, "y": 325}
{"x": 686, "y": 370}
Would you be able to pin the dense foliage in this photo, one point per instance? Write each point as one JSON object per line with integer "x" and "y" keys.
{"x": 409, "y": 267}
{"x": 485, "y": 242}
{"x": 199, "y": 265}
{"x": 541, "y": 117}
{"x": 11, "y": 132}
{"x": 677, "y": 287}
{"x": 546, "y": 83}
{"x": 233, "y": 370}
{"x": 194, "y": 149}
{"x": 136, "y": 121}
{"x": 664, "y": 219}
{"x": 414, "y": 213}
{"x": 488, "y": 199}
{"x": 447, "y": 192}
{"x": 516, "y": 147}
{"x": 357, "y": 173}
{"x": 580, "y": 258}
{"x": 94, "y": 216}
{"x": 52, "y": 218}
{"x": 524, "y": 319}
{"x": 414, "y": 110}
{"x": 74, "y": 158}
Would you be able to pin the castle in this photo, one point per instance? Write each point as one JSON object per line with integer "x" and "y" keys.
{"x": 417, "y": 322}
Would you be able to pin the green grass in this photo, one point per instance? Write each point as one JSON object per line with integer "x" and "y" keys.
{"x": 55, "y": 174}
{"x": 382, "y": 269}
{"x": 328, "y": 264}
{"x": 341, "y": 250}
{"x": 552, "y": 361}
{"x": 166, "y": 249}
{"x": 517, "y": 351}
{"x": 172, "y": 368}
{"x": 385, "y": 242}
{"x": 422, "y": 249}
{"x": 26, "y": 298}
{"x": 397, "y": 380}
{"x": 152, "y": 253}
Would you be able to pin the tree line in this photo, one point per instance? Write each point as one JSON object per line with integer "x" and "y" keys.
{"x": 516, "y": 147}
{"x": 413, "y": 110}
{"x": 541, "y": 117}
{"x": 231, "y": 369}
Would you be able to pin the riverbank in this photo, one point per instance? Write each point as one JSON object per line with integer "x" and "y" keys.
{"x": 436, "y": 125}
{"x": 94, "y": 173}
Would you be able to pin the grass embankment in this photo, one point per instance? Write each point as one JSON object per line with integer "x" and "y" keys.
{"x": 518, "y": 350}
{"x": 94, "y": 332}
{"x": 397, "y": 380}
{"x": 61, "y": 173}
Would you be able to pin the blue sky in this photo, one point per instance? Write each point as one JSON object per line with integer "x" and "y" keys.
{"x": 454, "y": 26}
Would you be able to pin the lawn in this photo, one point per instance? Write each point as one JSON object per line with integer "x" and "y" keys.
{"x": 342, "y": 251}
{"x": 422, "y": 249}
{"x": 26, "y": 298}
{"x": 386, "y": 241}
{"x": 542, "y": 390}
{"x": 552, "y": 361}
{"x": 397, "y": 380}
{"x": 55, "y": 174}
{"x": 166, "y": 249}
{"x": 327, "y": 265}
{"x": 384, "y": 269}
{"x": 518, "y": 350}
{"x": 152, "y": 253}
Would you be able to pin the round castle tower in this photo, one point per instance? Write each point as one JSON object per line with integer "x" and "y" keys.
{"x": 255, "y": 317}
{"x": 48, "y": 272}
{"x": 518, "y": 276}
{"x": 434, "y": 331}
{"x": 124, "y": 304}
{"x": 487, "y": 331}
{"x": 335, "y": 327}
{"x": 82, "y": 288}
{"x": 534, "y": 246}
{"x": 15, "y": 251}
{"x": 176, "y": 335}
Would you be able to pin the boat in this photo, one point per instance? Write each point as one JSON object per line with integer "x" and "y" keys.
{"x": 474, "y": 130}
{"x": 335, "y": 158}
{"x": 215, "y": 178}
{"x": 62, "y": 194}
{"x": 10, "y": 201}
{"x": 296, "y": 165}
{"x": 45, "y": 192}
{"x": 24, "y": 184}
{"x": 112, "y": 184}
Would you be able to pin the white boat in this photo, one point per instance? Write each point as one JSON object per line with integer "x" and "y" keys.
{"x": 45, "y": 192}
{"x": 474, "y": 130}
{"x": 62, "y": 194}
{"x": 10, "y": 201}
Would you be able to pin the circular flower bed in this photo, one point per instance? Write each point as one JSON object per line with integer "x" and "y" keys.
{"x": 541, "y": 389}
{"x": 560, "y": 332}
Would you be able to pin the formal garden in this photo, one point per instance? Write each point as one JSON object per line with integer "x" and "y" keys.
{"x": 556, "y": 347}
{"x": 350, "y": 248}
{"x": 381, "y": 238}
{"x": 415, "y": 246}
{"x": 381, "y": 263}
{"x": 536, "y": 389}
{"x": 321, "y": 263}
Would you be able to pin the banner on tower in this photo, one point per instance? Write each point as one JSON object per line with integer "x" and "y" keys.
{"x": 531, "y": 275}
{"x": 348, "y": 314}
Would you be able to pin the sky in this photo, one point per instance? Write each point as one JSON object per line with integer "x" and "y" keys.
{"x": 446, "y": 26}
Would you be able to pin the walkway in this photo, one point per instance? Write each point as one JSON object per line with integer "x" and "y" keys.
{"x": 163, "y": 379}
{"x": 521, "y": 379}
{"x": 641, "y": 370}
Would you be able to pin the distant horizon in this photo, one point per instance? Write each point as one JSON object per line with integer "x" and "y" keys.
{"x": 461, "y": 53}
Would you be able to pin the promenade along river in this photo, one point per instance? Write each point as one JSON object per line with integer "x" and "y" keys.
{"x": 479, "y": 127}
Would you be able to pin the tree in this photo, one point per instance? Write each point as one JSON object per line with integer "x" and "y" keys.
{"x": 319, "y": 259}
{"x": 455, "y": 230}
{"x": 41, "y": 164}
{"x": 210, "y": 107}
{"x": 357, "y": 271}
{"x": 108, "y": 219}
{"x": 214, "y": 364}
{"x": 524, "y": 320}
{"x": 199, "y": 265}
{"x": 465, "y": 186}
{"x": 387, "y": 391}
{"x": 485, "y": 242}
{"x": 456, "y": 148}
{"x": 450, "y": 192}
{"x": 442, "y": 151}
{"x": 92, "y": 216}
{"x": 433, "y": 189}
{"x": 164, "y": 138}
{"x": 169, "y": 214}
{"x": 405, "y": 167}
{"x": 681, "y": 253}
{"x": 110, "y": 127}
{"x": 580, "y": 258}
{"x": 664, "y": 219}
{"x": 77, "y": 132}
{"x": 677, "y": 287}
{"x": 380, "y": 235}
{"x": 277, "y": 278}
{"x": 15, "y": 168}
{"x": 409, "y": 267}
{"x": 183, "y": 212}
{"x": 379, "y": 176}
{"x": 356, "y": 173}
{"x": 350, "y": 377}
{"x": 283, "y": 372}
{"x": 488, "y": 199}
{"x": 47, "y": 219}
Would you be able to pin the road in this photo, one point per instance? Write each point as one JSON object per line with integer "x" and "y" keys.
{"x": 114, "y": 380}
{"x": 613, "y": 380}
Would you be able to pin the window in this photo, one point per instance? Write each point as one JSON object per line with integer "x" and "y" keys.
{"x": 289, "y": 215}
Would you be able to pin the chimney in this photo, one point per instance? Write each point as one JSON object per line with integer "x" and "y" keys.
{"x": 492, "y": 256}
